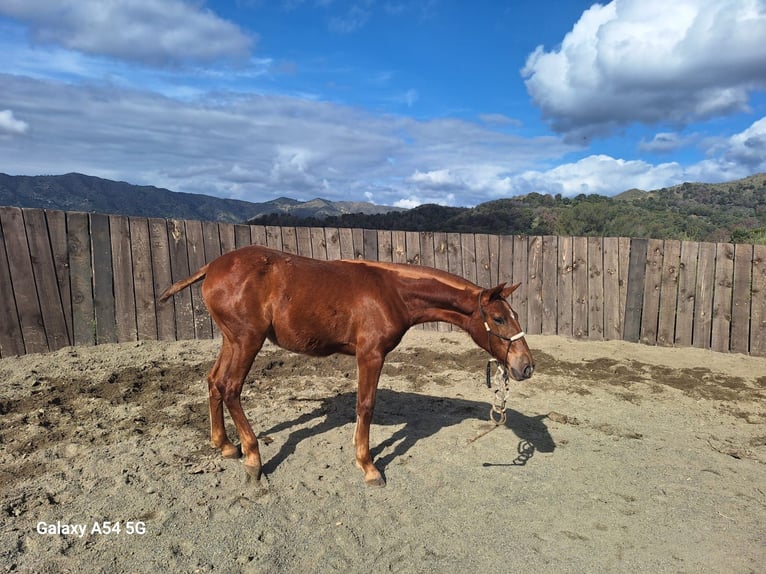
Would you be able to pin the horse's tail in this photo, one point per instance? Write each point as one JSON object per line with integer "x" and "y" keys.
{"x": 183, "y": 284}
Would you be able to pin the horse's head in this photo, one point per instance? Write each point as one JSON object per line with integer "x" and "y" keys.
{"x": 495, "y": 327}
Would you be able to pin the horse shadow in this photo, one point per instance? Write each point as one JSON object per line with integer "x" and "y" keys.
{"x": 422, "y": 417}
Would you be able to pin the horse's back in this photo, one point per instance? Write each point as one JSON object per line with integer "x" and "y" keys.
{"x": 307, "y": 305}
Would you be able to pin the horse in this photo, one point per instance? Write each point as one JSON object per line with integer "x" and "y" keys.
{"x": 318, "y": 308}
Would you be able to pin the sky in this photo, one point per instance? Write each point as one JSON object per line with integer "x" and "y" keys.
{"x": 395, "y": 102}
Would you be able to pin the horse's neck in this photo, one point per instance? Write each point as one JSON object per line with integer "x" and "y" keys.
{"x": 431, "y": 300}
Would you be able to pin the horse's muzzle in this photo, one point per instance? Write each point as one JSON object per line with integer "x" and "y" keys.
{"x": 524, "y": 373}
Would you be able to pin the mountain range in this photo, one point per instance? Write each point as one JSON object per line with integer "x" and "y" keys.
{"x": 732, "y": 211}
{"x": 78, "y": 192}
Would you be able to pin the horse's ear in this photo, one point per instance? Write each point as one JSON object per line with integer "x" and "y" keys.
{"x": 506, "y": 291}
{"x": 488, "y": 295}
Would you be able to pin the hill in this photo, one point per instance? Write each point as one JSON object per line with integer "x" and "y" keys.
{"x": 78, "y": 192}
{"x": 734, "y": 211}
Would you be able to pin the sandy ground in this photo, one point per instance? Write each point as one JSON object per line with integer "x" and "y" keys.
{"x": 615, "y": 458}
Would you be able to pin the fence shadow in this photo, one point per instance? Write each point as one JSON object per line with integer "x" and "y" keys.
{"x": 422, "y": 416}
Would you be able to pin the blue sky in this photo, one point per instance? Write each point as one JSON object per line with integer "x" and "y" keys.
{"x": 390, "y": 101}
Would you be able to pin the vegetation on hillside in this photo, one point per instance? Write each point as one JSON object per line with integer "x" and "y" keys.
{"x": 733, "y": 211}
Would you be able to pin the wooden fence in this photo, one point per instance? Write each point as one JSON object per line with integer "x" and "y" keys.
{"x": 82, "y": 279}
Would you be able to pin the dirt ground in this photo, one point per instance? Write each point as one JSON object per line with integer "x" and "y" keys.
{"x": 615, "y": 457}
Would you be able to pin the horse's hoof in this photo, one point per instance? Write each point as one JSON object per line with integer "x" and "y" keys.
{"x": 377, "y": 481}
{"x": 253, "y": 472}
{"x": 231, "y": 451}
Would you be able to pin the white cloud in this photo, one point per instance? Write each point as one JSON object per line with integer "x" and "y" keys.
{"x": 599, "y": 174}
{"x": 257, "y": 147}
{"x": 739, "y": 156}
{"x": 650, "y": 61}
{"x": 147, "y": 31}
{"x": 748, "y": 148}
{"x": 414, "y": 200}
{"x": 10, "y": 125}
{"x": 437, "y": 179}
{"x": 500, "y": 120}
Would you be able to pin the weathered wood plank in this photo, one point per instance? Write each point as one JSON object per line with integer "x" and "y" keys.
{"x": 468, "y": 248}
{"x": 370, "y": 244}
{"x": 122, "y": 268}
{"x": 534, "y": 285}
{"x": 258, "y": 235}
{"x": 161, "y": 277}
{"x": 613, "y": 312}
{"x": 195, "y": 249}
{"x": 11, "y": 337}
{"x": 140, "y": 250}
{"x": 211, "y": 240}
{"x": 228, "y": 238}
{"x": 412, "y": 247}
{"x": 441, "y": 260}
{"x": 181, "y": 302}
{"x": 332, "y": 237}
{"x": 57, "y": 231}
{"x": 44, "y": 271}
{"x": 214, "y": 248}
{"x": 455, "y": 254}
{"x": 385, "y": 247}
{"x": 634, "y": 295}
{"x": 703, "y": 296}
{"x": 758, "y": 304}
{"x": 564, "y": 286}
{"x": 274, "y": 236}
{"x": 81, "y": 279}
{"x": 580, "y": 287}
{"x": 687, "y": 279}
{"x": 595, "y": 288}
{"x": 286, "y": 241}
{"x": 741, "y": 299}
{"x": 671, "y": 263}
{"x": 483, "y": 260}
{"x": 519, "y": 297}
{"x": 103, "y": 280}
{"x": 494, "y": 259}
{"x": 549, "y": 287}
{"x": 624, "y": 264}
{"x": 303, "y": 237}
{"x": 23, "y": 280}
{"x": 346, "y": 243}
{"x": 427, "y": 248}
{"x": 318, "y": 243}
{"x": 722, "y": 302}
{"x": 242, "y": 235}
{"x": 358, "y": 240}
{"x": 652, "y": 290}
{"x": 398, "y": 247}
{"x": 505, "y": 259}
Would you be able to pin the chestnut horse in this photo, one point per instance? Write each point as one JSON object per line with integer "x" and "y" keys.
{"x": 318, "y": 308}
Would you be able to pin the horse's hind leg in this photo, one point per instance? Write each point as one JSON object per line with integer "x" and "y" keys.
{"x": 242, "y": 351}
{"x": 218, "y": 437}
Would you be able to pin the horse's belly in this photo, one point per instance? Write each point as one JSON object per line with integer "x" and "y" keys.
{"x": 310, "y": 342}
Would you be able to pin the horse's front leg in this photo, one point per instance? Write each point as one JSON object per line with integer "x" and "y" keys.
{"x": 369, "y": 374}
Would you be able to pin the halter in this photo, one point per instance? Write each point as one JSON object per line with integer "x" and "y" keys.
{"x": 490, "y": 332}
{"x": 497, "y": 411}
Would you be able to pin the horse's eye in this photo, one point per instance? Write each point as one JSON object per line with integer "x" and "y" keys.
{"x": 498, "y": 320}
